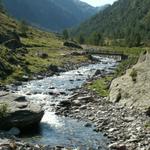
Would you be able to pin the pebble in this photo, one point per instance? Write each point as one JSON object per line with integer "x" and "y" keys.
{"x": 125, "y": 127}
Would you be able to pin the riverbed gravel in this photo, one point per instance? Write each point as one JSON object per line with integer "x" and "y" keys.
{"x": 126, "y": 128}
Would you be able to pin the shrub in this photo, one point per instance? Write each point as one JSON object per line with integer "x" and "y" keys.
{"x": 3, "y": 110}
{"x": 101, "y": 86}
{"x": 24, "y": 28}
{"x": 147, "y": 124}
{"x": 133, "y": 75}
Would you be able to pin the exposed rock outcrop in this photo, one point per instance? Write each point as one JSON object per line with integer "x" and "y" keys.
{"x": 13, "y": 44}
{"x": 20, "y": 113}
{"x": 133, "y": 88}
{"x": 11, "y": 40}
{"x": 72, "y": 44}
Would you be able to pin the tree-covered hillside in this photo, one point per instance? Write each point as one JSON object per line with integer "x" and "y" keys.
{"x": 53, "y": 15}
{"x": 126, "y": 22}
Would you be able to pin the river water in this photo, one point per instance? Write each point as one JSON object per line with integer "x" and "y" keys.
{"x": 62, "y": 131}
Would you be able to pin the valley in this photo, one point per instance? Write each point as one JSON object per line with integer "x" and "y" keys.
{"x": 52, "y": 15}
{"x": 85, "y": 88}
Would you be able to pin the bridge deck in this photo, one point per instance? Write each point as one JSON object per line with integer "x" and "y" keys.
{"x": 104, "y": 52}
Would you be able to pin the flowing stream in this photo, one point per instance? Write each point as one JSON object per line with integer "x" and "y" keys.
{"x": 62, "y": 131}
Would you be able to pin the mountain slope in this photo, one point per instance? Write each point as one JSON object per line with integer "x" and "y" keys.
{"x": 26, "y": 51}
{"x": 50, "y": 14}
{"x": 125, "y": 19}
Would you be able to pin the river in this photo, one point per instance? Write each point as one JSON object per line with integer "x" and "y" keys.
{"x": 48, "y": 92}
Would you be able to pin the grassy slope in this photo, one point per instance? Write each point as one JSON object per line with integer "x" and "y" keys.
{"x": 29, "y": 63}
{"x": 101, "y": 85}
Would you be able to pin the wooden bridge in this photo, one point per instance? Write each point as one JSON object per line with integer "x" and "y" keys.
{"x": 107, "y": 53}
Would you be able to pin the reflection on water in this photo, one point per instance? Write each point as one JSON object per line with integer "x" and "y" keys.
{"x": 49, "y": 91}
{"x": 67, "y": 132}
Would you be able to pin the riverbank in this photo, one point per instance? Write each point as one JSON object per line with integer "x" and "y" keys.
{"x": 48, "y": 92}
{"x": 125, "y": 127}
{"x": 73, "y": 60}
{"x": 25, "y": 54}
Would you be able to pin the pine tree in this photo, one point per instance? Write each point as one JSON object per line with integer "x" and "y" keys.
{"x": 1, "y": 6}
{"x": 133, "y": 39}
{"x": 65, "y": 34}
{"x": 137, "y": 39}
{"x": 81, "y": 39}
{"x": 23, "y": 28}
{"x": 95, "y": 39}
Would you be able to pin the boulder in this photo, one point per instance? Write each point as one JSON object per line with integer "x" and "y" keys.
{"x": 85, "y": 99}
{"x": 42, "y": 55}
{"x": 25, "y": 78}
{"x": 19, "y": 112}
{"x": 65, "y": 103}
{"x": 13, "y": 44}
{"x": 97, "y": 72}
{"x": 53, "y": 68}
{"x": 88, "y": 125}
{"x": 93, "y": 58}
{"x": 117, "y": 146}
{"x": 8, "y": 36}
{"x": 14, "y": 131}
{"x": 133, "y": 93}
{"x": 72, "y": 44}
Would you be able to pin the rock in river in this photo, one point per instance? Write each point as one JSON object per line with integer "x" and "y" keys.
{"x": 18, "y": 112}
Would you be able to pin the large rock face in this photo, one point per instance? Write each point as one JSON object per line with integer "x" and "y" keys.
{"x": 20, "y": 112}
{"x": 133, "y": 89}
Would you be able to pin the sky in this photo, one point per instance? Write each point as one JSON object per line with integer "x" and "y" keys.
{"x": 98, "y": 2}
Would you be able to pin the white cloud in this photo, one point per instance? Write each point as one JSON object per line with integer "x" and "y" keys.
{"x": 98, "y": 2}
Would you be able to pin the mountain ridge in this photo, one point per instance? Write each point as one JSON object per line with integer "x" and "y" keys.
{"x": 53, "y": 15}
{"x": 124, "y": 20}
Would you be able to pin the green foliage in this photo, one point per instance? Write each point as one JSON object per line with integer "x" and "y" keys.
{"x": 147, "y": 124}
{"x": 133, "y": 75}
{"x": 81, "y": 39}
{"x": 3, "y": 110}
{"x": 146, "y": 21}
{"x": 5, "y": 66}
{"x": 16, "y": 63}
{"x": 1, "y": 6}
{"x": 101, "y": 86}
{"x": 65, "y": 34}
{"x": 95, "y": 39}
{"x": 124, "y": 65}
{"x": 133, "y": 39}
{"x": 127, "y": 21}
{"x": 23, "y": 28}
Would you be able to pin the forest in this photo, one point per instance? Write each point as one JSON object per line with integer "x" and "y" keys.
{"x": 125, "y": 23}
